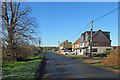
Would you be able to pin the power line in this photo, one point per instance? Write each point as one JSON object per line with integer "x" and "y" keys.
{"x": 95, "y": 21}
{"x": 106, "y": 14}
{"x": 80, "y": 31}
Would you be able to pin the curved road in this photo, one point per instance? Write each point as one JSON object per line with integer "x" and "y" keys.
{"x": 61, "y": 67}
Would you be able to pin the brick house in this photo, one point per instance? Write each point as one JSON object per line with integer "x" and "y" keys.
{"x": 76, "y": 45}
{"x": 65, "y": 45}
{"x": 101, "y": 42}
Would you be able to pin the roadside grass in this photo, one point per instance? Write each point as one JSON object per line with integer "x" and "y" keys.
{"x": 23, "y": 69}
{"x": 79, "y": 58}
{"x": 94, "y": 60}
{"x": 56, "y": 52}
{"x": 107, "y": 66}
{"x": 34, "y": 57}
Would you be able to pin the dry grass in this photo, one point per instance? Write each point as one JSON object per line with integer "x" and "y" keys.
{"x": 94, "y": 60}
{"x": 113, "y": 58}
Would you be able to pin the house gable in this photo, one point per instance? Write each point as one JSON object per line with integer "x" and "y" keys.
{"x": 101, "y": 39}
{"x": 67, "y": 45}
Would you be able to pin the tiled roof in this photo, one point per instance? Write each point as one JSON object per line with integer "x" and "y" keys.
{"x": 104, "y": 32}
{"x": 94, "y": 33}
{"x": 77, "y": 41}
{"x": 65, "y": 42}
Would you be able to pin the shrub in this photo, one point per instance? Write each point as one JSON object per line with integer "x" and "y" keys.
{"x": 21, "y": 51}
{"x": 99, "y": 55}
{"x": 107, "y": 52}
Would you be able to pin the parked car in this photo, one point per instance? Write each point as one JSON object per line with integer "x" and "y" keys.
{"x": 69, "y": 53}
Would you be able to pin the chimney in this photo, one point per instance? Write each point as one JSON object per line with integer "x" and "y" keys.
{"x": 67, "y": 41}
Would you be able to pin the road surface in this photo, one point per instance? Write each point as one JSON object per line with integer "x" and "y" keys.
{"x": 58, "y": 66}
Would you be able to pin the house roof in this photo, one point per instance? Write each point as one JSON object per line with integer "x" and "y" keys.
{"x": 77, "y": 41}
{"x": 68, "y": 45}
{"x": 104, "y": 32}
{"x": 65, "y": 42}
{"x": 94, "y": 33}
{"x": 88, "y": 32}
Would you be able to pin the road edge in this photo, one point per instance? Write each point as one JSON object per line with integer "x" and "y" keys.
{"x": 40, "y": 72}
{"x": 108, "y": 69}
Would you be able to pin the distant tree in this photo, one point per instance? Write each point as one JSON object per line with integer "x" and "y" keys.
{"x": 17, "y": 26}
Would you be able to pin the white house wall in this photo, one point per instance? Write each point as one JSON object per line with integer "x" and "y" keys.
{"x": 101, "y": 49}
{"x": 78, "y": 51}
{"x": 82, "y": 52}
{"x": 81, "y": 44}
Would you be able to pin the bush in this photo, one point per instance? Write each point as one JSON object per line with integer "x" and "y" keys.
{"x": 20, "y": 51}
{"x": 99, "y": 55}
{"x": 104, "y": 54}
{"x": 107, "y": 52}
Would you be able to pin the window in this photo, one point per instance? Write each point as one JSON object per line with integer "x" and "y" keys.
{"x": 108, "y": 49}
{"x": 81, "y": 44}
{"x": 82, "y": 38}
{"x": 77, "y": 46}
{"x": 86, "y": 44}
{"x": 73, "y": 46}
{"x": 86, "y": 36}
{"x": 94, "y": 50}
{"x": 95, "y": 44}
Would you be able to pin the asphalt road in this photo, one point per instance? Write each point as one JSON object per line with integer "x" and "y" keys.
{"x": 61, "y": 67}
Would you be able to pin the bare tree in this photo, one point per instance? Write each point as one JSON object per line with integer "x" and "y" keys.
{"x": 17, "y": 25}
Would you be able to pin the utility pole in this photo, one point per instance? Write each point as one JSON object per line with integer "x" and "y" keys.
{"x": 91, "y": 40}
{"x": 58, "y": 46}
{"x": 39, "y": 42}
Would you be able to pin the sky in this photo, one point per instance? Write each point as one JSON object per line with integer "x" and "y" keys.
{"x": 60, "y": 21}
{"x": 65, "y": 0}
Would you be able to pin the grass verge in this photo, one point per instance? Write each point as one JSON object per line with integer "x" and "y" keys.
{"x": 94, "y": 61}
{"x": 23, "y": 69}
{"x": 98, "y": 64}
